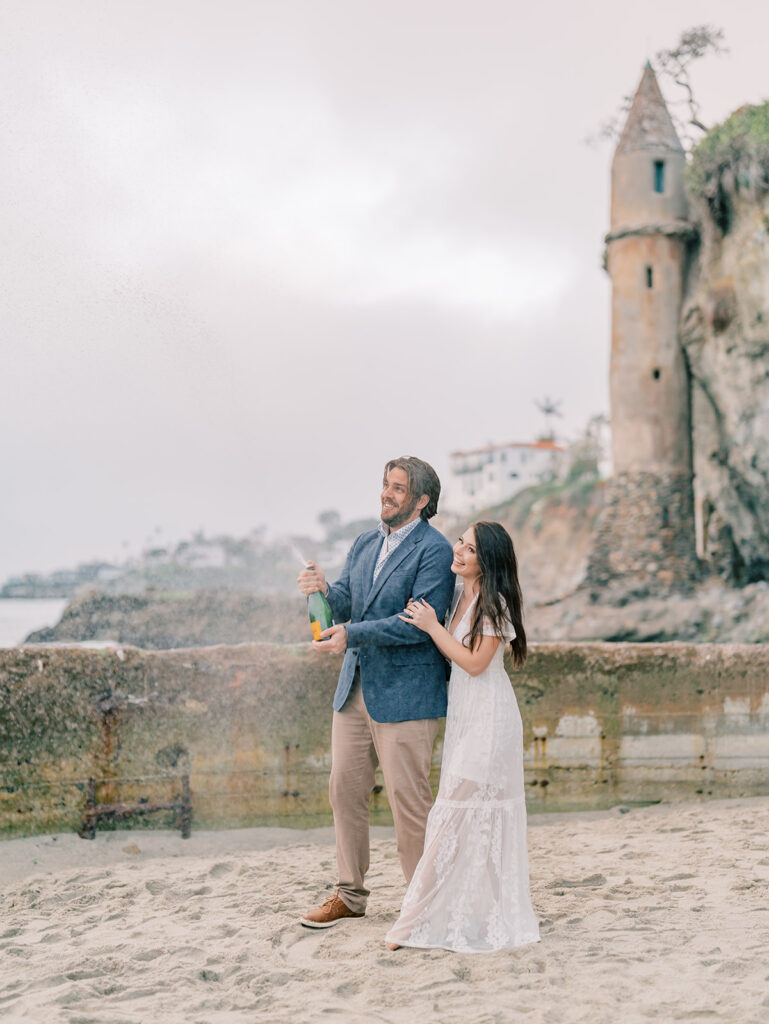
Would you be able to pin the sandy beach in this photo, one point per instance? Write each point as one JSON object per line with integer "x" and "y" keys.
{"x": 659, "y": 913}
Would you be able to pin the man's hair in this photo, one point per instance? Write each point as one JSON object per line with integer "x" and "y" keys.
{"x": 422, "y": 480}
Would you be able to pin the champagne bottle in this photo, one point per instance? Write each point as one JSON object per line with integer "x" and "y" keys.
{"x": 319, "y": 611}
{"x": 318, "y": 607}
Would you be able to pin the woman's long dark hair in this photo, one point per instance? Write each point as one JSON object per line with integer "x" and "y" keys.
{"x": 499, "y": 592}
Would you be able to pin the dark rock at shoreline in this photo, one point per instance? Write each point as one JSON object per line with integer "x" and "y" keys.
{"x": 160, "y": 621}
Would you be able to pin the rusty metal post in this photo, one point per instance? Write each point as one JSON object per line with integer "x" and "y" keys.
{"x": 186, "y": 811}
{"x": 88, "y": 822}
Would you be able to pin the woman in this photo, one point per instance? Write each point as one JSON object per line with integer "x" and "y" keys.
{"x": 470, "y": 891}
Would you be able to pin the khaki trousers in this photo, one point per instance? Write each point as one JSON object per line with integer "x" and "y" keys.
{"x": 404, "y": 750}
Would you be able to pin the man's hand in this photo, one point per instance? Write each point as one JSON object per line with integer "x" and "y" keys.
{"x": 337, "y": 640}
{"x": 311, "y": 579}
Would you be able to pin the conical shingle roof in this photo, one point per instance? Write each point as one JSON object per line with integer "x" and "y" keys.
{"x": 649, "y": 125}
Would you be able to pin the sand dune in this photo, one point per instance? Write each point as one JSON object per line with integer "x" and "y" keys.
{"x": 656, "y": 914}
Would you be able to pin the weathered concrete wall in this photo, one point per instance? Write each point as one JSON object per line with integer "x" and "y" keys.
{"x": 604, "y": 723}
{"x": 639, "y": 722}
{"x": 250, "y": 722}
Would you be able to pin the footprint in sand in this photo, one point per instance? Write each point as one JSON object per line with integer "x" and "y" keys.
{"x": 144, "y": 955}
{"x": 300, "y": 950}
{"x": 591, "y": 882}
{"x": 224, "y": 867}
{"x": 18, "y": 951}
{"x": 349, "y": 988}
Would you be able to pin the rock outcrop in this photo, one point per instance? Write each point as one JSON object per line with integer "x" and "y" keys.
{"x": 158, "y": 621}
{"x": 725, "y": 334}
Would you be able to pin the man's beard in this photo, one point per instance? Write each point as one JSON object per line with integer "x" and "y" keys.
{"x": 402, "y": 515}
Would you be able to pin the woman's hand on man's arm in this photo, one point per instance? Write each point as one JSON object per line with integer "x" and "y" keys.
{"x": 422, "y": 615}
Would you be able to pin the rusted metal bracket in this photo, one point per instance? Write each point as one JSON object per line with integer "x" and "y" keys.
{"x": 95, "y": 813}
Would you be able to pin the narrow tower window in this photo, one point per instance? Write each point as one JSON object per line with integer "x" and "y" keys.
{"x": 649, "y": 277}
{"x": 659, "y": 176}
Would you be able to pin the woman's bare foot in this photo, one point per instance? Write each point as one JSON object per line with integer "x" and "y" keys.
{"x": 392, "y": 945}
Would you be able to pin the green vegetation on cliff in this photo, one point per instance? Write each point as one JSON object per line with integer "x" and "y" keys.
{"x": 734, "y": 155}
{"x": 578, "y": 491}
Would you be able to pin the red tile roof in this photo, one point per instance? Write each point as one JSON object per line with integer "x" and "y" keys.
{"x": 540, "y": 445}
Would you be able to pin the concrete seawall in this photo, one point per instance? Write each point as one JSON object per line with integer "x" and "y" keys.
{"x": 603, "y": 724}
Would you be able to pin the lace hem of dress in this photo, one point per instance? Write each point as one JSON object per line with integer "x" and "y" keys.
{"x": 479, "y": 802}
{"x": 524, "y": 939}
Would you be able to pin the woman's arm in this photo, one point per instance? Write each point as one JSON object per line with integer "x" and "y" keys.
{"x": 422, "y": 615}
{"x": 433, "y": 580}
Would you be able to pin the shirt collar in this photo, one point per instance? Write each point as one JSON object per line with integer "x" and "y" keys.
{"x": 401, "y": 533}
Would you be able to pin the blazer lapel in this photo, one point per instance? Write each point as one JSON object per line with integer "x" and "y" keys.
{"x": 392, "y": 563}
{"x": 367, "y": 563}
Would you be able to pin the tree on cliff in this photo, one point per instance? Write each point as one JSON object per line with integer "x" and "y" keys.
{"x": 675, "y": 64}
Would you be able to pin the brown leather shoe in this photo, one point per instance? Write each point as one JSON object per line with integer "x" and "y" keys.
{"x": 328, "y": 914}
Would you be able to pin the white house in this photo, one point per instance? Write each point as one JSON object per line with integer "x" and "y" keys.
{"x": 484, "y": 477}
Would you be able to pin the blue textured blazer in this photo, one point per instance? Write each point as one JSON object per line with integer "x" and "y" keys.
{"x": 403, "y": 674}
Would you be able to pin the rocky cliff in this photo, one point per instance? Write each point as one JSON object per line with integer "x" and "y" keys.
{"x": 725, "y": 333}
{"x": 157, "y": 621}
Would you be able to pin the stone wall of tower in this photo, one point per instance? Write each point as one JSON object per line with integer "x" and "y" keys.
{"x": 649, "y": 385}
{"x": 634, "y": 202}
{"x": 645, "y": 541}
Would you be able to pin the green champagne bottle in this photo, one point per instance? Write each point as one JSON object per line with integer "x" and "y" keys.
{"x": 319, "y": 611}
{"x": 318, "y": 607}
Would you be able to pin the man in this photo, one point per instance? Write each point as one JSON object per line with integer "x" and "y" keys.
{"x": 392, "y": 686}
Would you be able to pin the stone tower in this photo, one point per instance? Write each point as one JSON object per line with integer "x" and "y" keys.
{"x": 645, "y": 541}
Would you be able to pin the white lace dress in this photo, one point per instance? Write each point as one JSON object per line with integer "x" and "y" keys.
{"x": 470, "y": 892}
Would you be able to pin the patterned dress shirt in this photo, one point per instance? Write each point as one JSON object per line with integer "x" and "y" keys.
{"x": 391, "y": 542}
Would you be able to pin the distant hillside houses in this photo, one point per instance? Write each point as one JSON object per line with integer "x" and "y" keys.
{"x": 62, "y": 583}
{"x": 483, "y": 477}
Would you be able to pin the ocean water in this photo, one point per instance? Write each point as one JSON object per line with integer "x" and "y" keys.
{"x": 19, "y": 617}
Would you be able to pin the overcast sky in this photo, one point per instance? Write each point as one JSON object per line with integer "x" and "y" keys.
{"x": 252, "y": 249}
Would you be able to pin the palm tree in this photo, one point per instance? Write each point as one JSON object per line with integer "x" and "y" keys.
{"x": 549, "y": 409}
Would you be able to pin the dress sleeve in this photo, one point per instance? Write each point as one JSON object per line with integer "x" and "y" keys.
{"x": 489, "y": 630}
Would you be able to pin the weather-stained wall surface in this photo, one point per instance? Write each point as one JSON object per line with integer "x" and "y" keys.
{"x": 604, "y": 724}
